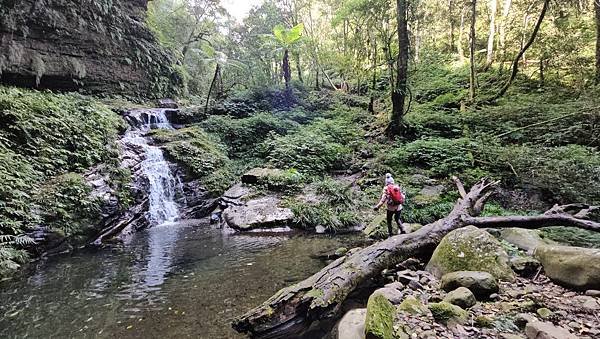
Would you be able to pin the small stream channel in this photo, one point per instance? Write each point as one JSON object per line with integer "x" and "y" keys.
{"x": 177, "y": 278}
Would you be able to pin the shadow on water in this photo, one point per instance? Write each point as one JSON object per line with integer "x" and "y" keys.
{"x": 184, "y": 279}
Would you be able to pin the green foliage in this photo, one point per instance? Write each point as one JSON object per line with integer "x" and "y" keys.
{"x": 287, "y": 37}
{"x": 12, "y": 256}
{"x": 46, "y": 141}
{"x": 244, "y": 135}
{"x": 338, "y": 206}
{"x": 202, "y": 156}
{"x": 324, "y": 145}
{"x": 563, "y": 174}
{"x": 571, "y": 236}
{"x": 439, "y": 156}
{"x": 66, "y": 205}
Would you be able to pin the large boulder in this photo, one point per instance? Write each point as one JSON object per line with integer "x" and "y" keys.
{"x": 261, "y": 175}
{"x": 258, "y": 213}
{"x": 482, "y": 284}
{"x": 380, "y": 318}
{"x": 470, "y": 249}
{"x": 526, "y": 240}
{"x": 574, "y": 267}
{"x": 352, "y": 325}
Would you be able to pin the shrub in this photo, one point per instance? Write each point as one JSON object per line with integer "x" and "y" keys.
{"x": 563, "y": 174}
{"x": 200, "y": 154}
{"x": 439, "y": 156}
{"x": 320, "y": 147}
{"x": 66, "y": 205}
{"x": 243, "y": 135}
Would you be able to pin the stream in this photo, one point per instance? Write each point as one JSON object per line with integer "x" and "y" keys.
{"x": 184, "y": 279}
{"x": 173, "y": 279}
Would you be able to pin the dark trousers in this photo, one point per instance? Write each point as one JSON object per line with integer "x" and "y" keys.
{"x": 396, "y": 216}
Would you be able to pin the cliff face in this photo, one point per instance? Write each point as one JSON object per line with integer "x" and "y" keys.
{"x": 90, "y": 45}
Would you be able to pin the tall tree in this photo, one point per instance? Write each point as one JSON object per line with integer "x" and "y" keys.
{"x": 515, "y": 65}
{"x": 597, "y": 10}
{"x": 287, "y": 38}
{"x": 493, "y": 4}
{"x": 399, "y": 90}
{"x": 473, "y": 75}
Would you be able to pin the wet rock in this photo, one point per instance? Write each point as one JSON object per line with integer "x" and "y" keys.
{"x": 482, "y": 284}
{"x": 546, "y": 330}
{"x": 524, "y": 239}
{"x": 446, "y": 313}
{"x": 258, "y": 175}
{"x": 470, "y": 248}
{"x": 574, "y": 267}
{"x": 510, "y": 336}
{"x": 352, "y": 324}
{"x": 258, "y": 213}
{"x": 462, "y": 297}
{"x": 525, "y": 266}
{"x": 379, "y": 318}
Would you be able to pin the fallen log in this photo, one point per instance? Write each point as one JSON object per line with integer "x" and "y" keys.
{"x": 293, "y": 309}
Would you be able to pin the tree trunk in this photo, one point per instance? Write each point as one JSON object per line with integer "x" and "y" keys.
{"x": 492, "y": 34}
{"x": 502, "y": 29}
{"x": 320, "y": 297}
{"x": 212, "y": 86}
{"x": 285, "y": 67}
{"x": 317, "y": 87}
{"x": 452, "y": 25}
{"x": 399, "y": 90}
{"x": 472, "y": 79}
{"x": 299, "y": 67}
{"x": 597, "y": 10}
{"x": 515, "y": 65}
{"x": 459, "y": 45}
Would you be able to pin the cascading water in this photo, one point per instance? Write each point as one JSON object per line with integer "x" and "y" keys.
{"x": 162, "y": 184}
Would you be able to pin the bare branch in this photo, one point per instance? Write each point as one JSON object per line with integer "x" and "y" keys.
{"x": 460, "y": 186}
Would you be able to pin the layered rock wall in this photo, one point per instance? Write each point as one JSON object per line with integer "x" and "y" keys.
{"x": 99, "y": 46}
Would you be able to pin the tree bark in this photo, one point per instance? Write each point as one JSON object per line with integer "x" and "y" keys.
{"x": 492, "y": 34}
{"x": 502, "y": 30}
{"x": 597, "y": 11}
{"x": 212, "y": 86}
{"x": 452, "y": 26}
{"x": 285, "y": 67}
{"x": 515, "y": 65}
{"x": 399, "y": 89}
{"x": 459, "y": 45}
{"x": 299, "y": 67}
{"x": 291, "y": 310}
{"x": 473, "y": 76}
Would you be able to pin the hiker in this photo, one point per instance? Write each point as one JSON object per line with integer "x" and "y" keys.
{"x": 394, "y": 198}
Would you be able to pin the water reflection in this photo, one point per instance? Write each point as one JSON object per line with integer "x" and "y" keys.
{"x": 183, "y": 280}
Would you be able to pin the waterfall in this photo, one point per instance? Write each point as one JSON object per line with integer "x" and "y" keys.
{"x": 162, "y": 184}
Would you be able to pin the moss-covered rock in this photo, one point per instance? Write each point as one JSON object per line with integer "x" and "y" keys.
{"x": 445, "y": 312}
{"x": 470, "y": 249}
{"x": 483, "y": 321}
{"x": 380, "y": 318}
{"x": 412, "y": 305}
